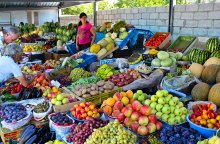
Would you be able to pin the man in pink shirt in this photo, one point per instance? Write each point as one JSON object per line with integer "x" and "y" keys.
{"x": 85, "y": 29}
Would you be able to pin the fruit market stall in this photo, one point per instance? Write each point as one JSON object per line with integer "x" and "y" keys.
{"x": 167, "y": 94}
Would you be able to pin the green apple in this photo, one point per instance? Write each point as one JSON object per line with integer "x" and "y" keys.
{"x": 60, "y": 97}
{"x": 153, "y": 111}
{"x": 159, "y": 93}
{"x": 159, "y": 107}
{"x": 159, "y": 115}
{"x": 165, "y": 117}
{"x": 141, "y": 98}
{"x": 184, "y": 110}
{"x": 177, "y": 107}
{"x": 161, "y": 100}
{"x": 179, "y": 119}
{"x": 183, "y": 118}
{"x": 53, "y": 100}
{"x": 172, "y": 103}
{"x": 153, "y": 105}
{"x": 166, "y": 105}
{"x": 166, "y": 110}
{"x": 140, "y": 92}
{"x": 172, "y": 108}
{"x": 176, "y": 99}
{"x": 65, "y": 101}
{"x": 147, "y": 102}
{"x": 172, "y": 121}
{"x": 177, "y": 112}
{"x": 165, "y": 93}
{"x": 58, "y": 103}
{"x": 34, "y": 72}
{"x": 168, "y": 98}
{"x": 180, "y": 104}
{"x": 153, "y": 98}
{"x": 135, "y": 96}
{"x": 145, "y": 95}
{"x": 172, "y": 115}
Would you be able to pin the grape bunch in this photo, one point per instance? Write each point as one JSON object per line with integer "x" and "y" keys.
{"x": 80, "y": 132}
{"x": 13, "y": 112}
{"x": 64, "y": 80}
{"x": 61, "y": 119}
{"x": 113, "y": 133}
{"x": 179, "y": 135}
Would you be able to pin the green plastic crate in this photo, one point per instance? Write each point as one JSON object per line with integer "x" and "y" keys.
{"x": 183, "y": 43}
{"x": 98, "y": 99}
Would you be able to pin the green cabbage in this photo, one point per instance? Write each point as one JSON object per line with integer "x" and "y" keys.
{"x": 179, "y": 55}
{"x": 162, "y": 55}
{"x": 123, "y": 35}
{"x": 166, "y": 62}
{"x": 108, "y": 35}
{"x": 172, "y": 54}
{"x": 156, "y": 62}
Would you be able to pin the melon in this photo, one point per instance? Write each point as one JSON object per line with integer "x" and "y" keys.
{"x": 103, "y": 43}
{"x": 214, "y": 94}
{"x": 95, "y": 48}
{"x": 200, "y": 92}
{"x": 218, "y": 77}
{"x": 101, "y": 52}
{"x": 109, "y": 40}
{"x": 209, "y": 73}
{"x": 212, "y": 60}
{"x": 196, "y": 69}
{"x": 110, "y": 46}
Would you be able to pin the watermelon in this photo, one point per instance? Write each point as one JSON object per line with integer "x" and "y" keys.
{"x": 215, "y": 54}
{"x": 198, "y": 56}
{"x": 213, "y": 44}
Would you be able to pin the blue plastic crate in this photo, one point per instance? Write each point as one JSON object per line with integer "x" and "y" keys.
{"x": 71, "y": 47}
{"x": 88, "y": 59}
{"x": 99, "y": 36}
{"x": 123, "y": 43}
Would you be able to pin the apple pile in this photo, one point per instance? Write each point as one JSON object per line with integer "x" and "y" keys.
{"x": 32, "y": 69}
{"x": 85, "y": 111}
{"x": 41, "y": 81}
{"x": 140, "y": 96}
{"x": 113, "y": 106}
{"x": 167, "y": 107}
{"x": 205, "y": 115}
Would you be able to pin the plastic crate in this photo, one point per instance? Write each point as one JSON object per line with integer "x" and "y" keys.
{"x": 98, "y": 99}
{"x": 182, "y": 42}
{"x": 123, "y": 43}
{"x": 99, "y": 36}
{"x": 71, "y": 47}
{"x": 88, "y": 59}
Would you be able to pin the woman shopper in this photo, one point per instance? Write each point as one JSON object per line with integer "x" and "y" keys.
{"x": 9, "y": 68}
{"x": 85, "y": 29}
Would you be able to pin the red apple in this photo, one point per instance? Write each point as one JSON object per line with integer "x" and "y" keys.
{"x": 121, "y": 117}
{"x": 152, "y": 118}
{"x": 136, "y": 105}
{"x": 116, "y": 113}
{"x": 128, "y": 111}
{"x": 118, "y": 105}
{"x": 151, "y": 127}
{"x": 142, "y": 130}
{"x": 134, "y": 126}
{"x": 145, "y": 110}
{"x": 159, "y": 125}
{"x": 135, "y": 115}
{"x": 127, "y": 122}
{"x": 143, "y": 120}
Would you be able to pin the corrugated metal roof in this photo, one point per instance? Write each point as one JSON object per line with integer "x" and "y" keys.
{"x": 29, "y": 4}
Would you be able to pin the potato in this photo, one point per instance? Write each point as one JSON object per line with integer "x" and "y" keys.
{"x": 84, "y": 91}
{"x": 92, "y": 88}
{"x": 78, "y": 87}
{"x": 78, "y": 93}
{"x": 107, "y": 91}
{"x": 101, "y": 89}
{"x": 108, "y": 87}
{"x": 88, "y": 90}
{"x": 115, "y": 87}
{"x": 86, "y": 95}
{"x": 94, "y": 93}
{"x": 97, "y": 88}
{"x": 101, "y": 83}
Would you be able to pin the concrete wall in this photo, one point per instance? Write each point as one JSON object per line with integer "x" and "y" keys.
{"x": 197, "y": 19}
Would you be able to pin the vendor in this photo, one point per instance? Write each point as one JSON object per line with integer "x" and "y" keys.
{"x": 8, "y": 66}
{"x": 8, "y": 35}
{"x": 85, "y": 29}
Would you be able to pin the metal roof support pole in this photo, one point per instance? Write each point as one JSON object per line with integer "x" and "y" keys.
{"x": 58, "y": 15}
{"x": 171, "y": 15}
{"x": 95, "y": 9}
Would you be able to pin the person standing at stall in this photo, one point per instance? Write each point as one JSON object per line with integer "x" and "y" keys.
{"x": 9, "y": 69}
{"x": 85, "y": 29}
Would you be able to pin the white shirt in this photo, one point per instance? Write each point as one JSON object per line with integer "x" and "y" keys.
{"x": 8, "y": 69}
{"x": 1, "y": 43}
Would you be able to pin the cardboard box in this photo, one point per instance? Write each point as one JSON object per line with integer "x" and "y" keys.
{"x": 67, "y": 107}
{"x": 165, "y": 44}
{"x": 6, "y": 134}
{"x": 58, "y": 56}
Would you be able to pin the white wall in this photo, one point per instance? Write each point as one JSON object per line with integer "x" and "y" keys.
{"x": 18, "y": 16}
{"x": 48, "y": 15}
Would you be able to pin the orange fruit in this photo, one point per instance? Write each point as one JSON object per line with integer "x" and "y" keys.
{"x": 129, "y": 93}
{"x": 110, "y": 102}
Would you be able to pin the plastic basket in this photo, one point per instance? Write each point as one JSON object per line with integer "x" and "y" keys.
{"x": 41, "y": 116}
{"x": 123, "y": 43}
{"x": 88, "y": 59}
{"x": 98, "y": 99}
{"x": 182, "y": 42}
{"x": 99, "y": 36}
{"x": 206, "y": 132}
{"x": 71, "y": 47}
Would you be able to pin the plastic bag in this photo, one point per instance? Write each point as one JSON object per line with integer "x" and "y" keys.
{"x": 18, "y": 124}
{"x": 191, "y": 104}
{"x": 122, "y": 63}
{"x": 153, "y": 80}
{"x": 41, "y": 116}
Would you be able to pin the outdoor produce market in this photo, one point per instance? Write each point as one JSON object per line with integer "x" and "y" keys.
{"x": 125, "y": 85}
